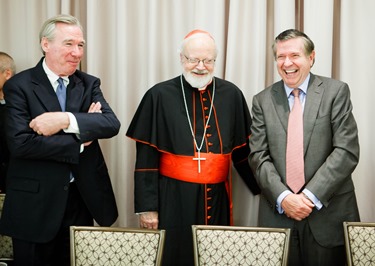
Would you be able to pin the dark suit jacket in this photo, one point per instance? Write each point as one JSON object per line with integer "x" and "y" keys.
{"x": 331, "y": 153}
{"x": 39, "y": 168}
{"x": 4, "y": 152}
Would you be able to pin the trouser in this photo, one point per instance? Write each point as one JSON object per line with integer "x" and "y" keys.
{"x": 57, "y": 251}
{"x": 305, "y": 251}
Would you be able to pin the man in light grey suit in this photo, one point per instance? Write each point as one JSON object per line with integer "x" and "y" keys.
{"x": 331, "y": 152}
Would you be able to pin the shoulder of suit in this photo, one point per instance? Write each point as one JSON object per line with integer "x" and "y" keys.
{"x": 326, "y": 81}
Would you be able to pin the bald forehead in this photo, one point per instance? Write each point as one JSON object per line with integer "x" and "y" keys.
{"x": 200, "y": 41}
{"x": 200, "y": 38}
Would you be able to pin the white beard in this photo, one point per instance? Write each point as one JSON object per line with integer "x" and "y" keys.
{"x": 198, "y": 82}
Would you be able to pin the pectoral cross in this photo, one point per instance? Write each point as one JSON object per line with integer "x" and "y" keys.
{"x": 199, "y": 159}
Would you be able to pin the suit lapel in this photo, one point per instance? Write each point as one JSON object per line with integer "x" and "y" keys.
{"x": 280, "y": 102}
{"x": 47, "y": 95}
{"x": 44, "y": 90}
{"x": 313, "y": 99}
{"x": 75, "y": 92}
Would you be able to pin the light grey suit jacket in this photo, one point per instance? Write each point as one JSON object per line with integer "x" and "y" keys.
{"x": 331, "y": 153}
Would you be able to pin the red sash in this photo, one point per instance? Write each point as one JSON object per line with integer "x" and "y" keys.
{"x": 214, "y": 169}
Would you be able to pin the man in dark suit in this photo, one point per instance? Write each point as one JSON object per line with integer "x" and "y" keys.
{"x": 7, "y": 70}
{"x": 57, "y": 176}
{"x": 316, "y": 210}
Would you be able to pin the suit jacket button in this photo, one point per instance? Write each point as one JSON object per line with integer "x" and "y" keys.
{"x": 66, "y": 188}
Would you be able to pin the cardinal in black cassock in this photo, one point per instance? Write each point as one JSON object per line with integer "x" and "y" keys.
{"x": 188, "y": 131}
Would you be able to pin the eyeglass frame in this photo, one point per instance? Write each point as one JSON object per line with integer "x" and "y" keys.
{"x": 196, "y": 61}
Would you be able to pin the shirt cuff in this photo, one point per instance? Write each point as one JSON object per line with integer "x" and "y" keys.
{"x": 73, "y": 128}
{"x": 313, "y": 198}
{"x": 280, "y": 199}
{"x": 73, "y": 124}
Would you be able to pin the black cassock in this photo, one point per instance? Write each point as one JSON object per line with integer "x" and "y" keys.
{"x": 160, "y": 126}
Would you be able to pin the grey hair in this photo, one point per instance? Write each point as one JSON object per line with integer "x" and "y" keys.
{"x": 7, "y": 62}
{"x": 49, "y": 26}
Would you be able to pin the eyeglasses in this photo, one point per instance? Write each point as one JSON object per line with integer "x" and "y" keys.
{"x": 196, "y": 61}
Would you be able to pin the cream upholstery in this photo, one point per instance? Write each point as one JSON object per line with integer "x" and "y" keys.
{"x": 96, "y": 245}
{"x": 360, "y": 243}
{"x": 6, "y": 247}
{"x": 230, "y": 245}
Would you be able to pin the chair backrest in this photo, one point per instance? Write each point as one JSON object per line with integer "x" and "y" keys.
{"x": 239, "y": 245}
{"x": 94, "y": 245}
{"x": 6, "y": 245}
{"x": 359, "y": 243}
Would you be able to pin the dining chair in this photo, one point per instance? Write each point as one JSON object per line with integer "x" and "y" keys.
{"x": 6, "y": 246}
{"x": 95, "y": 245}
{"x": 240, "y": 245}
{"x": 359, "y": 243}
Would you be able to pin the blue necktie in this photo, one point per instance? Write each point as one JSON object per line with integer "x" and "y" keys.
{"x": 61, "y": 93}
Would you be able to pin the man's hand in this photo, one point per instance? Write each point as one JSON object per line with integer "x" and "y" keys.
{"x": 94, "y": 108}
{"x": 149, "y": 220}
{"x": 49, "y": 123}
{"x": 297, "y": 206}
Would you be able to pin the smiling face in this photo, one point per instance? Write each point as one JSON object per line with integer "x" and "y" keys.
{"x": 201, "y": 47}
{"x": 293, "y": 64}
{"x": 64, "y": 52}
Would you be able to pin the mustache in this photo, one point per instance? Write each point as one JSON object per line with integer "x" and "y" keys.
{"x": 200, "y": 72}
